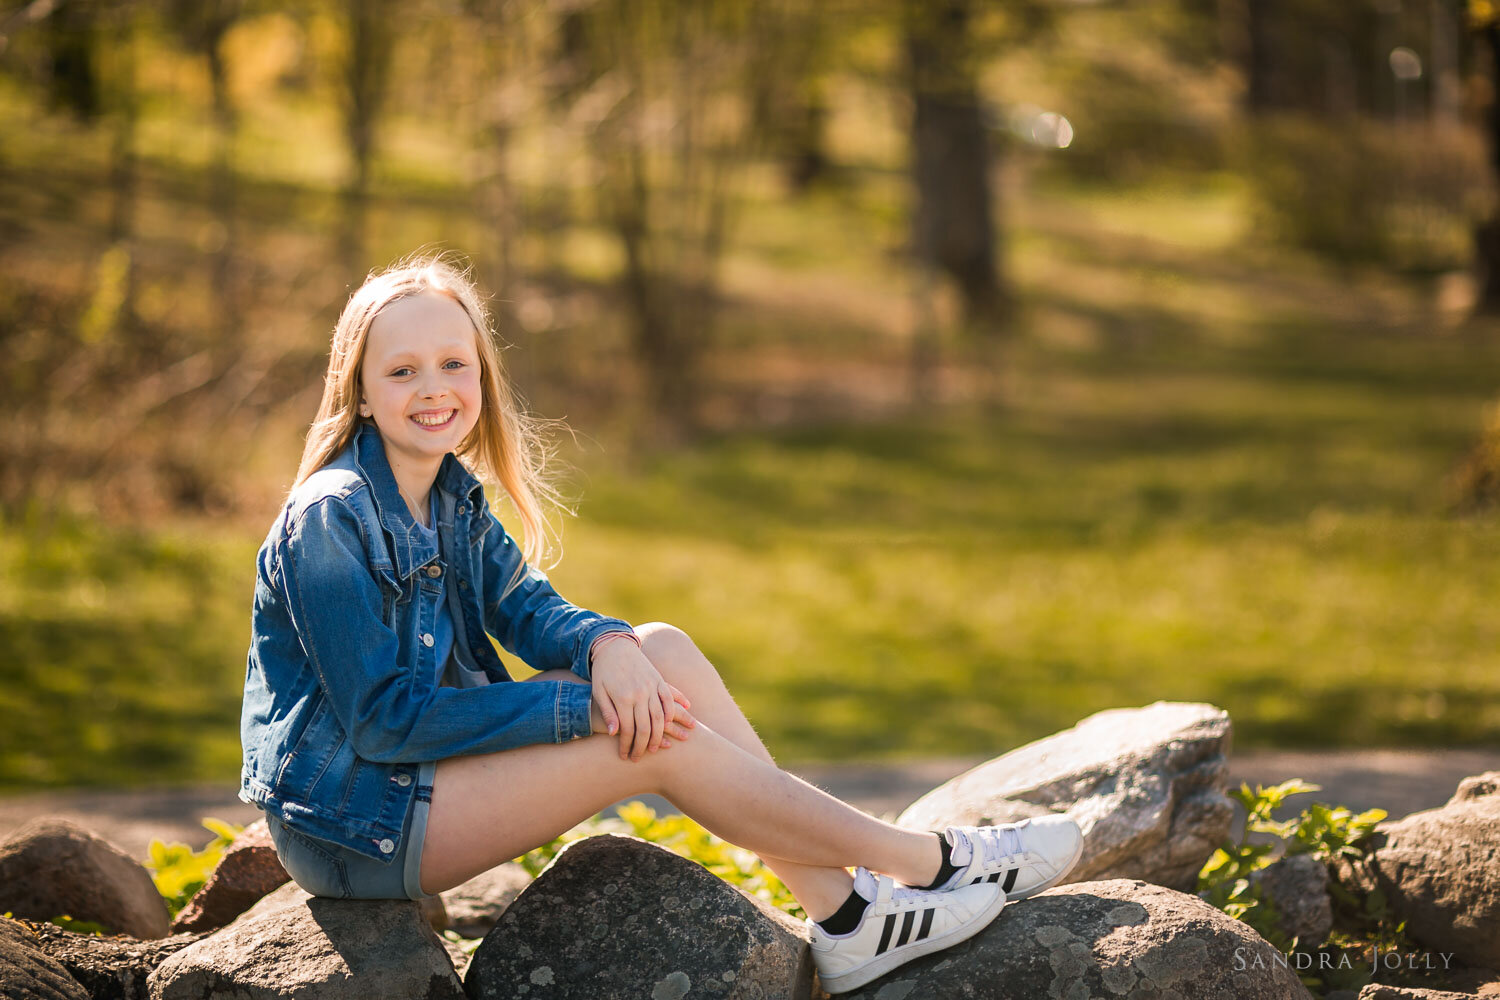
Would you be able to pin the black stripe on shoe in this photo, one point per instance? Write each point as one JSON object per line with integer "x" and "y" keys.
{"x": 994, "y": 877}
{"x": 926, "y": 925}
{"x": 1010, "y": 879}
{"x": 906, "y": 923}
{"x": 885, "y": 935}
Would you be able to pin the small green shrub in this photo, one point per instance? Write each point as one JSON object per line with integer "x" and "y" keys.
{"x": 179, "y": 871}
{"x": 1361, "y": 920}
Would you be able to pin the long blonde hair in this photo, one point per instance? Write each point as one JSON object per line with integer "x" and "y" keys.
{"x": 506, "y": 445}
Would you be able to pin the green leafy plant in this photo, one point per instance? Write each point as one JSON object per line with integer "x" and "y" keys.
{"x": 1327, "y": 833}
{"x": 179, "y": 871}
{"x": 682, "y": 836}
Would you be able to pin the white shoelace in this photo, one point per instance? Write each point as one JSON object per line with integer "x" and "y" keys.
{"x": 996, "y": 843}
{"x": 864, "y": 879}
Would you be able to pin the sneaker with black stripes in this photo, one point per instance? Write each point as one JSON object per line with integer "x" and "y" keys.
{"x": 1023, "y": 858}
{"x": 898, "y": 926}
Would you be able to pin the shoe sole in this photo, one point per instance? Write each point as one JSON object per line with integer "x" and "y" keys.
{"x": 1049, "y": 883}
{"x": 897, "y": 957}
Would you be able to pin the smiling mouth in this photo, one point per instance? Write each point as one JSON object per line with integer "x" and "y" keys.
{"x": 434, "y": 421}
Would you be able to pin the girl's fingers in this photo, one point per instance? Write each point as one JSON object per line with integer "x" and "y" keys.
{"x": 658, "y": 725}
{"x": 679, "y": 697}
{"x": 676, "y": 731}
{"x": 611, "y": 717}
{"x": 642, "y": 732}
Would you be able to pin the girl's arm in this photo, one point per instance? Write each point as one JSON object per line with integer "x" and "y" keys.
{"x": 532, "y": 620}
{"x": 335, "y": 605}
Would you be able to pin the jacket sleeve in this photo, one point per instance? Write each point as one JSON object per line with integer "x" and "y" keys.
{"x": 528, "y": 616}
{"x": 391, "y": 714}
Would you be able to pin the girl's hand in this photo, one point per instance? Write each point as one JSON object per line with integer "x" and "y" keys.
{"x": 631, "y": 697}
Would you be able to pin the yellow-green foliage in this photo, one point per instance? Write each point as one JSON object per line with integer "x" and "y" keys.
{"x": 179, "y": 871}
{"x": 681, "y": 836}
{"x": 67, "y": 923}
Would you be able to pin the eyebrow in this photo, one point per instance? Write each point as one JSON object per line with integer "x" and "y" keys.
{"x": 451, "y": 349}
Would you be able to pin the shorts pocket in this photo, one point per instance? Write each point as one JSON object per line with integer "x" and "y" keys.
{"x": 311, "y": 866}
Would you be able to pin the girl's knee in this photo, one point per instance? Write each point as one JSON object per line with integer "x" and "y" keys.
{"x": 673, "y": 652}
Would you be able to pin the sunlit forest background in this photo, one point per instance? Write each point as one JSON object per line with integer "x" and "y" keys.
{"x": 950, "y": 370}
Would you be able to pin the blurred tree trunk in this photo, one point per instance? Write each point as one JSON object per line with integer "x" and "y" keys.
{"x": 72, "y": 40}
{"x": 646, "y": 81}
{"x": 1487, "y": 232}
{"x": 124, "y": 107}
{"x": 1259, "y": 57}
{"x": 372, "y": 26}
{"x": 951, "y": 160}
{"x": 203, "y": 25}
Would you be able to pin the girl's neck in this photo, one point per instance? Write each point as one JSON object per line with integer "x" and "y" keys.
{"x": 414, "y": 485}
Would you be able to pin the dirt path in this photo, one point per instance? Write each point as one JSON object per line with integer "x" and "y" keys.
{"x": 1398, "y": 781}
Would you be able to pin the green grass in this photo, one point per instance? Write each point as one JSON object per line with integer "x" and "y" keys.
{"x": 1261, "y": 527}
{"x": 1218, "y": 474}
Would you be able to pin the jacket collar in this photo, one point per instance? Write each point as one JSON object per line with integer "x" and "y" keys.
{"x": 412, "y": 548}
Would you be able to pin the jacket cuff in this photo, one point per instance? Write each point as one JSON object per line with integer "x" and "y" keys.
{"x": 573, "y": 701}
{"x": 582, "y": 660}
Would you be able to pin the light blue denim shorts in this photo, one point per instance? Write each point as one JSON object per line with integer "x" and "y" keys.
{"x": 324, "y": 868}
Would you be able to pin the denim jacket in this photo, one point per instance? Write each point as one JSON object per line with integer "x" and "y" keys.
{"x": 342, "y": 702}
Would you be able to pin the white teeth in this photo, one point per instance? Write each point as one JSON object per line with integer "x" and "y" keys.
{"x": 433, "y": 421}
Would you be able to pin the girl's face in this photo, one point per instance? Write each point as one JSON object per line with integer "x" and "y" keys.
{"x": 421, "y": 377}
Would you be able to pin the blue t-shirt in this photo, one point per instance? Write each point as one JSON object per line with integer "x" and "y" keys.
{"x": 450, "y": 671}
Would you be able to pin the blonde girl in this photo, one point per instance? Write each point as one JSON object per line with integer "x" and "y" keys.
{"x": 395, "y": 757}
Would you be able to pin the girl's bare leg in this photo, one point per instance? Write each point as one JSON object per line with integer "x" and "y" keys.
{"x": 524, "y": 797}
{"x": 683, "y": 664}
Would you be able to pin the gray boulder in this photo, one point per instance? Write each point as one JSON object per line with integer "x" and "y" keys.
{"x": 1296, "y": 887}
{"x": 27, "y": 972}
{"x": 615, "y": 917}
{"x": 475, "y": 906}
{"x": 1439, "y": 872}
{"x": 1144, "y": 784}
{"x": 109, "y": 968}
{"x": 1123, "y": 939}
{"x": 1477, "y": 786}
{"x": 329, "y": 948}
{"x": 51, "y": 867}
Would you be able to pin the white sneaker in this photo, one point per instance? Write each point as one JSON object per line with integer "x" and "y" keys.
{"x": 1024, "y": 858}
{"x": 898, "y": 926}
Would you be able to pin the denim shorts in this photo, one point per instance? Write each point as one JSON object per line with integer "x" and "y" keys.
{"x": 324, "y": 868}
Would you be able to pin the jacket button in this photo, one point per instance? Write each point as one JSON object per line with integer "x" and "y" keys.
{"x": 460, "y": 508}
{"x": 387, "y": 845}
{"x": 403, "y": 780}
{"x": 463, "y": 585}
{"x": 427, "y": 639}
{"x": 434, "y": 570}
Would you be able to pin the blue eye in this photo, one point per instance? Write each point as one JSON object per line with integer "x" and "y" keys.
{"x": 459, "y": 363}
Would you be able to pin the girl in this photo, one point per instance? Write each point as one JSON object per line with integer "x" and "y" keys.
{"x": 395, "y": 757}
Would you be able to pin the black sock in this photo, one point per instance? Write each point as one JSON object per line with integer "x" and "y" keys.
{"x": 947, "y": 868}
{"x": 848, "y": 916}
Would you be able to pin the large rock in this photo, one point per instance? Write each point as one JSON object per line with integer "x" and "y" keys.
{"x": 109, "y": 968}
{"x": 27, "y": 972}
{"x": 329, "y": 948}
{"x": 475, "y": 906}
{"x": 1296, "y": 887}
{"x": 1440, "y": 872}
{"x": 51, "y": 867}
{"x": 1122, "y": 939}
{"x": 617, "y": 917}
{"x": 1463, "y": 985}
{"x": 1144, "y": 784}
{"x": 248, "y": 869}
